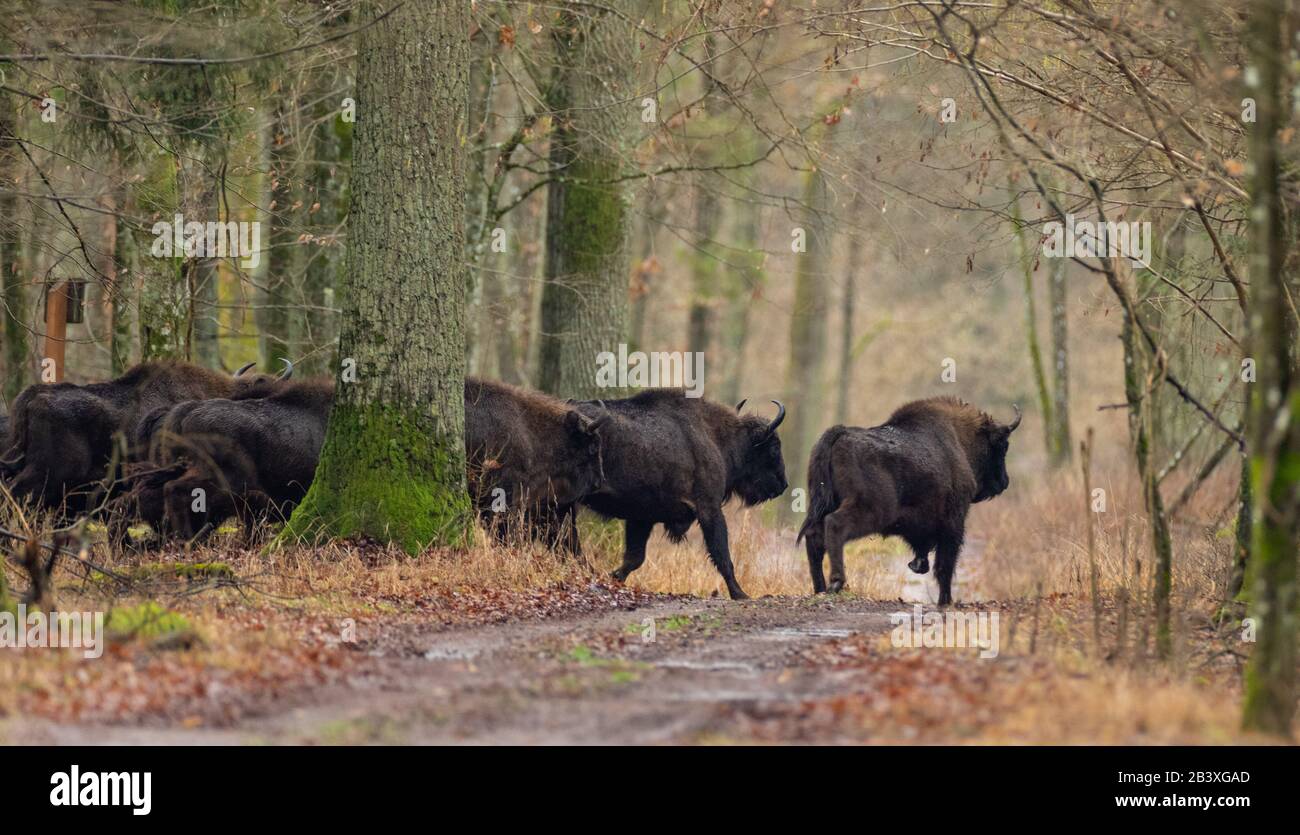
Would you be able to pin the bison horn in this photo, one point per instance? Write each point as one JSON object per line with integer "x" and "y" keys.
{"x": 1011, "y": 427}
{"x": 741, "y": 404}
{"x": 243, "y": 370}
{"x": 780, "y": 416}
{"x": 288, "y": 369}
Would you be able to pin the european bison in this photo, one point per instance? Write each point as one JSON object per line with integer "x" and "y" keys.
{"x": 675, "y": 460}
{"x": 61, "y": 436}
{"x": 530, "y": 451}
{"x": 914, "y": 476}
{"x": 253, "y": 456}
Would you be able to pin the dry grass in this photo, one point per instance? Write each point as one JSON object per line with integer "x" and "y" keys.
{"x": 1026, "y": 546}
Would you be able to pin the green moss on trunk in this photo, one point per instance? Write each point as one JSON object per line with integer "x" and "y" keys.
{"x": 385, "y": 475}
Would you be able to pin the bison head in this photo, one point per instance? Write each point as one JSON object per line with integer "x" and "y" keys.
{"x": 761, "y": 476}
{"x": 256, "y": 385}
{"x": 585, "y": 468}
{"x": 990, "y": 457}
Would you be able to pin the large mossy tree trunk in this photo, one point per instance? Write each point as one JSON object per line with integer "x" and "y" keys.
{"x": 585, "y": 300}
{"x": 393, "y": 463}
{"x": 1274, "y": 409}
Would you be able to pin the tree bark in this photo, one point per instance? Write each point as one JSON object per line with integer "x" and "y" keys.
{"x": 277, "y": 327}
{"x": 393, "y": 463}
{"x": 808, "y": 324}
{"x": 1274, "y": 409}
{"x": 327, "y": 180}
{"x": 848, "y": 304}
{"x": 16, "y": 358}
{"x": 584, "y": 302}
{"x": 1027, "y": 259}
{"x": 1059, "y": 430}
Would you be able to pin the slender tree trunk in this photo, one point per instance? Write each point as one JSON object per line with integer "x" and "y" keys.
{"x": 206, "y": 350}
{"x": 1140, "y": 411}
{"x": 1027, "y": 259}
{"x": 1241, "y": 544}
{"x": 1059, "y": 429}
{"x": 848, "y": 303}
{"x": 277, "y": 331}
{"x": 16, "y": 358}
{"x": 1274, "y": 422}
{"x": 393, "y": 463}
{"x": 327, "y": 180}
{"x": 584, "y": 303}
{"x": 744, "y": 285}
{"x": 705, "y": 267}
{"x": 805, "y": 386}
{"x": 646, "y": 271}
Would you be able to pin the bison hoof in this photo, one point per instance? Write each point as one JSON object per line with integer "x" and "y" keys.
{"x": 738, "y": 594}
{"x": 618, "y": 574}
{"x": 920, "y": 565}
{"x": 835, "y": 587}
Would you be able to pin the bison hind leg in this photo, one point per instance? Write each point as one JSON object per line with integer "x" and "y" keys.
{"x": 850, "y": 521}
{"x": 815, "y": 545}
{"x": 945, "y": 564}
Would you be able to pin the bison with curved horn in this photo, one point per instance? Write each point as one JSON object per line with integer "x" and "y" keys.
{"x": 676, "y": 460}
{"x": 915, "y": 476}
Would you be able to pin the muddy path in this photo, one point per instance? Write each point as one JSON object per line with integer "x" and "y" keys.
{"x": 672, "y": 671}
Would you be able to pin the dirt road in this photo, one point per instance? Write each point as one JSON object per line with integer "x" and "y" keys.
{"x": 677, "y": 670}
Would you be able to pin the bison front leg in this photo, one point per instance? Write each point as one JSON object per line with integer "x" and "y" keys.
{"x": 715, "y": 539}
{"x": 635, "y": 535}
{"x": 945, "y": 564}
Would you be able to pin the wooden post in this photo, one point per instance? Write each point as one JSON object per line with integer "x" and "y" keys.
{"x": 56, "y": 328}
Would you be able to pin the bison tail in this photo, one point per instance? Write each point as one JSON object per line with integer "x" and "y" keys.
{"x": 822, "y": 499}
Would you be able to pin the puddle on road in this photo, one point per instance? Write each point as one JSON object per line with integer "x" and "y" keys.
{"x": 451, "y": 654}
{"x": 688, "y": 664}
{"x": 785, "y": 633}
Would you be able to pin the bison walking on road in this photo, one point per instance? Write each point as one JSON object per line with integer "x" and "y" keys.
{"x": 675, "y": 460}
{"x": 914, "y": 476}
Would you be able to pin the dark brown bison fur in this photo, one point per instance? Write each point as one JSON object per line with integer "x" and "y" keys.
{"x": 676, "y": 460}
{"x": 62, "y": 437}
{"x": 534, "y": 452}
{"x": 914, "y": 476}
{"x": 253, "y": 455}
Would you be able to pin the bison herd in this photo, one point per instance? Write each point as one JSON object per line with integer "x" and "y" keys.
{"x": 185, "y": 449}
